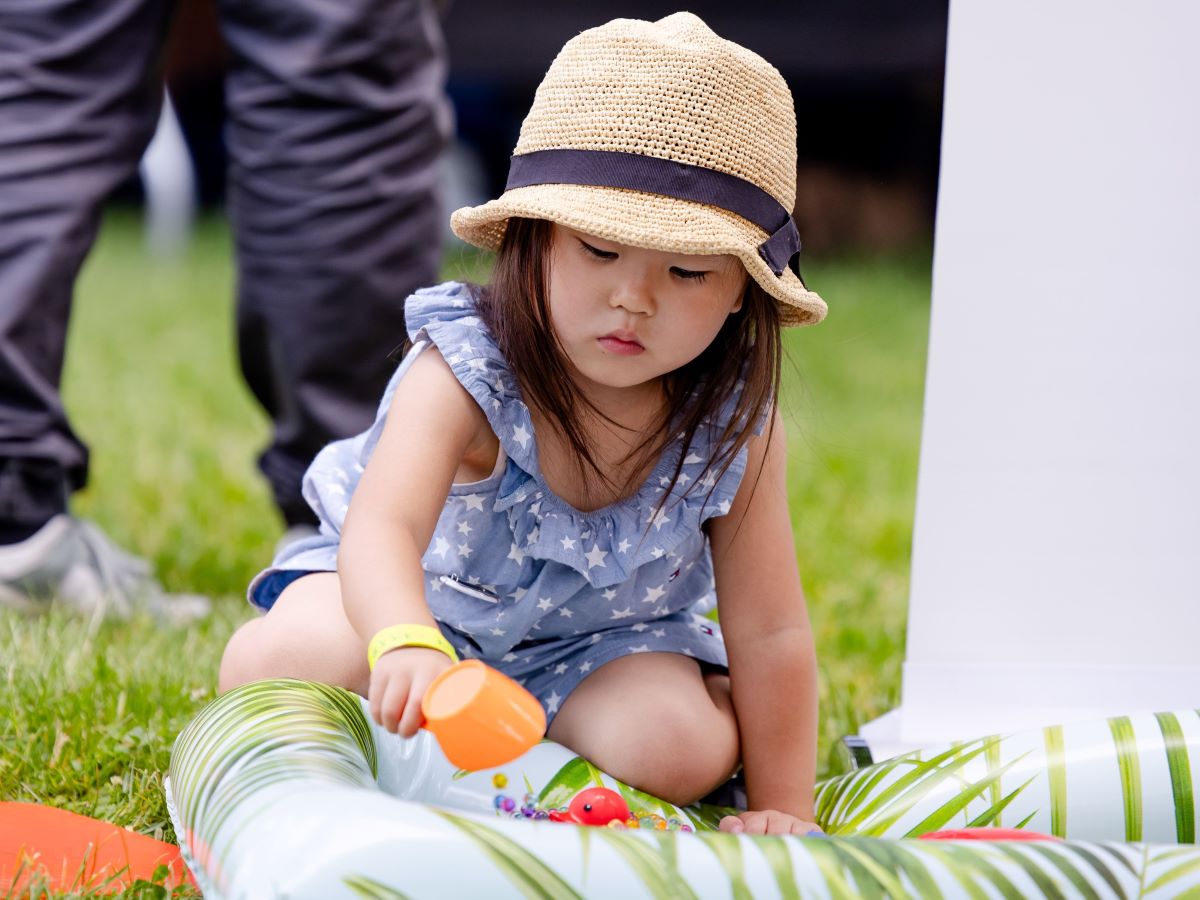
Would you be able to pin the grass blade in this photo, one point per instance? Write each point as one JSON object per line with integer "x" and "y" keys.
{"x": 992, "y": 757}
{"x": 662, "y": 880}
{"x": 527, "y": 872}
{"x": 779, "y": 859}
{"x": 371, "y": 889}
{"x": 1181, "y": 777}
{"x": 1131, "y": 775}
{"x": 728, "y": 850}
{"x": 1056, "y": 775}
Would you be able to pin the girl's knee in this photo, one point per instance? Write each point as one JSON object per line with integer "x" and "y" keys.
{"x": 241, "y": 662}
{"x": 682, "y": 757}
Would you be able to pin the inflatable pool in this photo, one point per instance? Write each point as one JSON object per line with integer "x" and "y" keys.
{"x": 288, "y": 789}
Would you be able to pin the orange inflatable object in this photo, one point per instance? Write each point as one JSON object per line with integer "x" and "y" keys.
{"x": 481, "y": 717}
{"x": 66, "y": 851}
{"x": 987, "y": 833}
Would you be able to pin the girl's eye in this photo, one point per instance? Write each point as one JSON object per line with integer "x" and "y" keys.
{"x": 688, "y": 274}
{"x": 597, "y": 252}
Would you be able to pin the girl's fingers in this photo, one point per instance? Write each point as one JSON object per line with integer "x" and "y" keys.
{"x": 412, "y": 718}
{"x": 375, "y": 698}
{"x": 395, "y": 698}
{"x": 732, "y": 825}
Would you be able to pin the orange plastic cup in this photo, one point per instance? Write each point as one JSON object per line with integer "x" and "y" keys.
{"x": 481, "y": 717}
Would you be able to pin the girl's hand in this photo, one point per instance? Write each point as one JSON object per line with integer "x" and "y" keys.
{"x": 767, "y": 821}
{"x": 398, "y": 683}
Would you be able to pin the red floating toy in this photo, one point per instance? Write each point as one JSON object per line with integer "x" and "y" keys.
{"x": 595, "y": 806}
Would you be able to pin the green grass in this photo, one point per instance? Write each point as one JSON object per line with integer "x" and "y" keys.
{"x": 152, "y": 384}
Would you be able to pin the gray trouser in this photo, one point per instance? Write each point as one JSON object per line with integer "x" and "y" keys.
{"x": 337, "y": 117}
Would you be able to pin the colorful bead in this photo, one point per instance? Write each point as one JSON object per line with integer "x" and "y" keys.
{"x": 660, "y": 824}
{"x": 499, "y": 780}
{"x": 686, "y": 828}
{"x": 615, "y": 823}
{"x": 633, "y": 822}
{"x": 508, "y": 804}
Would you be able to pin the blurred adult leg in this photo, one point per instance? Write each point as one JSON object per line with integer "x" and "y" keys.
{"x": 338, "y": 118}
{"x": 79, "y": 98}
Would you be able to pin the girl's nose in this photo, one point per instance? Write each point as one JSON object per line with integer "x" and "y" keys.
{"x": 634, "y": 295}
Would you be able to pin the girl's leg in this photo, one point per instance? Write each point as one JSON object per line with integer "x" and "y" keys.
{"x": 654, "y": 721}
{"x": 305, "y": 635}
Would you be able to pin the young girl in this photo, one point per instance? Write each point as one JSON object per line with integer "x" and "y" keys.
{"x": 571, "y": 462}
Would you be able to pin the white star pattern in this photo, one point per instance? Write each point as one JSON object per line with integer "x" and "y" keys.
{"x": 552, "y": 702}
{"x": 477, "y": 364}
{"x": 585, "y": 667}
{"x": 534, "y": 534}
{"x": 640, "y": 626}
{"x": 545, "y": 603}
{"x": 659, "y": 632}
{"x": 623, "y": 546}
{"x": 464, "y": 550}
{"x": 724, "y": 506}
{"x": 626, "y": 613}
{"x": 684, "y": 478}
{"x": 652, "y": 594}
{"x": 664, "y": 480}
{"x": 498, "y": 632}
{"x": 660, "y": 611}
{"x": 658, "y": 518}
{"x": 474, "y": 501}
{"x": 518, "y": 594}
{"x": 464, "y": 528}
{"x": 610, "y": 594}
{"x": 595, "y": 557}
{"x": 440, "y": 546}
{"x": 564, "y": 612}
{"x": 521, "y": 436}
{"x": 657, "y": 552}
{"x": 568, "y": 543}
{"x": 642, "y": 649}
{"x": 692, "y": 459}
{"x": 516, "y": 554}
{"x": 561, "y": 669}
{"x": 708, "y": 480}
{"x": 535, "y": 507}
{"x": 596, "y": 638}
{"x": 509, "y": 657}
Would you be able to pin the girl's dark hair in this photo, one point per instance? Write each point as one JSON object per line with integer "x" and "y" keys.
{"x": 515, "y": 309}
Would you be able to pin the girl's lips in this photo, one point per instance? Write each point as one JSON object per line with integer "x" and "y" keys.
{"x": 620, "y": 346}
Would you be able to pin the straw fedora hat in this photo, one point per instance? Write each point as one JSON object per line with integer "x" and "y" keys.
{"x": 661, "y": 135}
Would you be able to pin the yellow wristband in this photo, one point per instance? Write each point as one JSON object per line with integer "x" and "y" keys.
{"x": 407, "y": 636}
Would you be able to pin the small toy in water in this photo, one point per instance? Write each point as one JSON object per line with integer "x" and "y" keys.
{"x": 595, "y": 806}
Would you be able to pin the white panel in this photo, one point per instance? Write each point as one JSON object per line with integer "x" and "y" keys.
{"x": 1058, "y": 509}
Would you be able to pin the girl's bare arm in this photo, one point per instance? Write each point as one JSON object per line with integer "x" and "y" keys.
{"x": 772, "y": 663}
{"x": 433, "y": 424}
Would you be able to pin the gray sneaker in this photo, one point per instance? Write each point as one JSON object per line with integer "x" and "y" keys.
{"x": 72, "y": 563}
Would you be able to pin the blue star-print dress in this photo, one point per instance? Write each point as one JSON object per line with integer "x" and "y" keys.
{"x": 514, "y": 575}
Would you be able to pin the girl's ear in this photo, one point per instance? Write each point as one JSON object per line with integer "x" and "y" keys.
{"x": 741, "y": 297}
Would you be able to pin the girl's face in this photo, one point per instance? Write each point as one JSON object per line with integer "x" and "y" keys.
{"x": 626, "y": 316}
